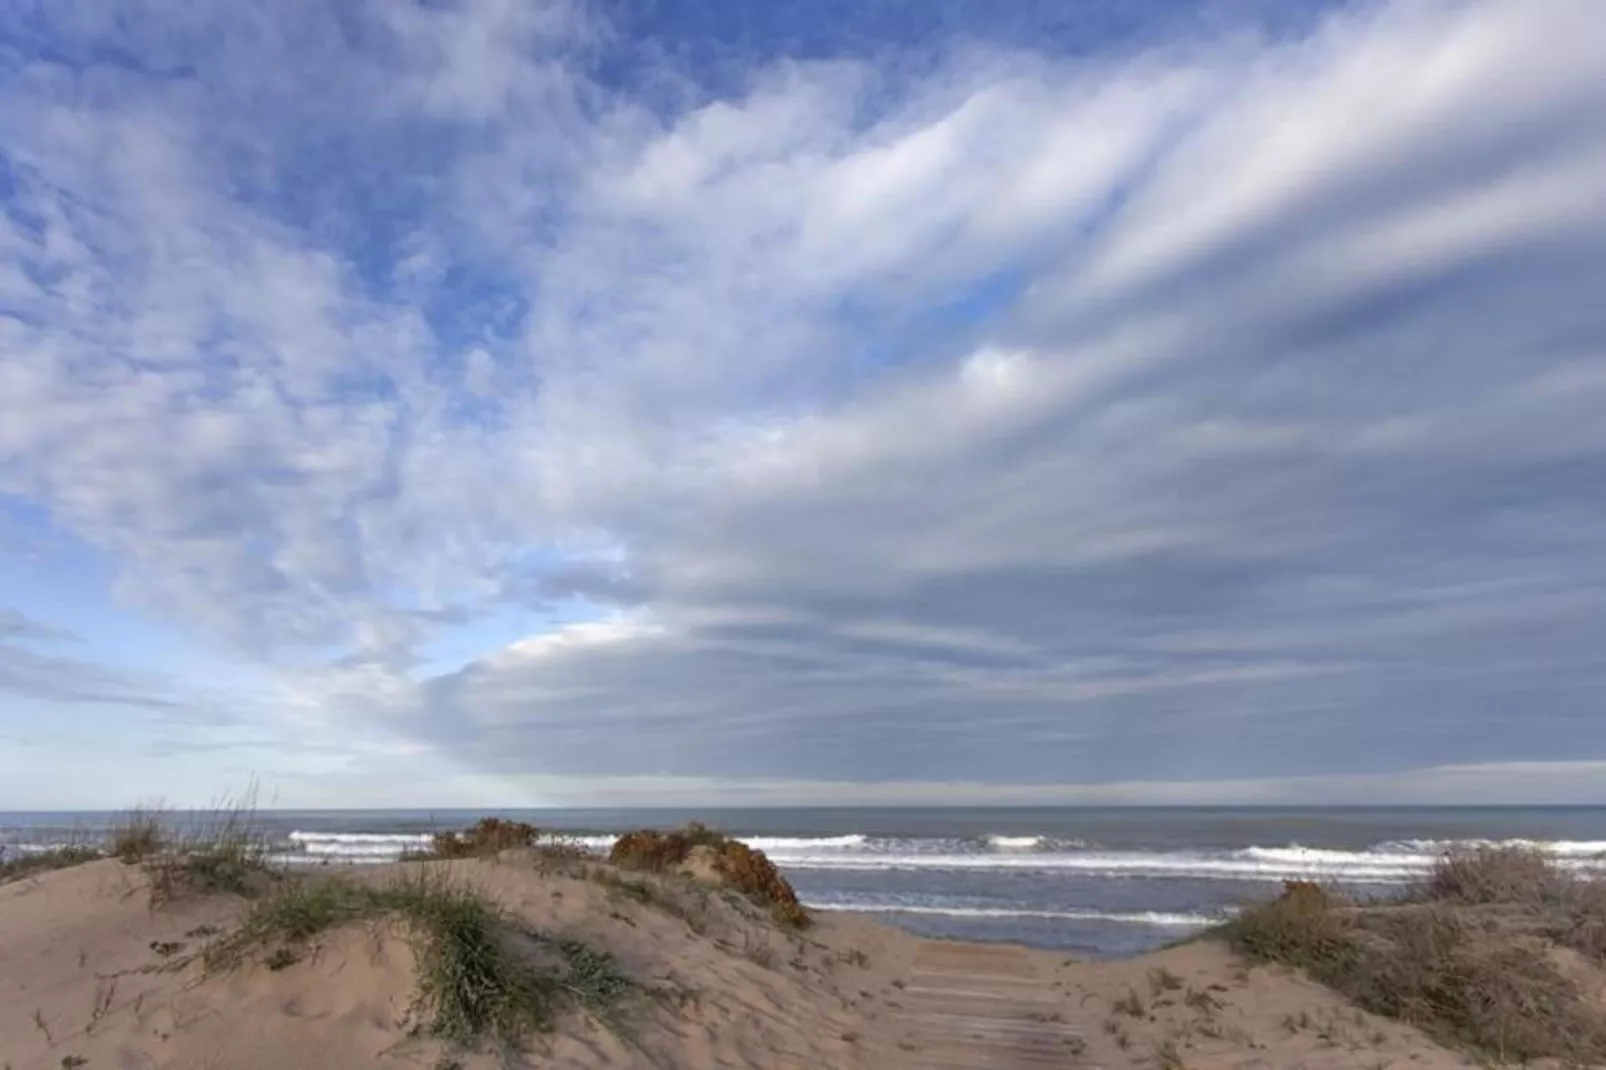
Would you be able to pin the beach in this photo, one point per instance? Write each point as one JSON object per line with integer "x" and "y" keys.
{"x": 93, "y": 975}
{"x": 238, "y": 940}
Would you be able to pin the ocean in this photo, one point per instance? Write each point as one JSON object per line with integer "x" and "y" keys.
{"x": 1102, "y": 882}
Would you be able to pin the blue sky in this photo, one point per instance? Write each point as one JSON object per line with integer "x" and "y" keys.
{"x": 488, "y": 403}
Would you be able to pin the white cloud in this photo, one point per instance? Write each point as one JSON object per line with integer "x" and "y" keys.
{"x": 428, "y": 784}
{"x": 1026, "y": 412}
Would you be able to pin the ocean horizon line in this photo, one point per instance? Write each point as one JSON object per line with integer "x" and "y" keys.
{"x": 842, "y": 807}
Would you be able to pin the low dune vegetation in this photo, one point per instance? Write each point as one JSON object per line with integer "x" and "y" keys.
{"x": 481, "y": 974}
{"x": 142, "y": 833}
{"x": 17, "y": 866}
{"x": 490, "y": 836}
{"x": 482, "y": 947}
{"x": 487, "y": 836}
{"x": 217, "y": 850}
{"x": 1499, "y": 952}
{"x": 697, "y": 847}
{"x": 482, "y": 961}
{"x": 227, "y": 852}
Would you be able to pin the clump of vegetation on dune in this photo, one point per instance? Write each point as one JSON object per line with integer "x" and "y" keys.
{"x": 138, "y": 836}
{"x": 222, "y": 850}
{"x": 1497, "y": 876}
{"x": 743, "y": 868}
{"x": 481, "y": 975}
{"x": 487, "y": 836}
{"x": 490, "y": 836}
{"x": 1493, "y": 952}
{"x": 16, "y": 865}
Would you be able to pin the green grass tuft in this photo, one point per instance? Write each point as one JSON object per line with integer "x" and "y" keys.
{"x": 296, "y": 912}
{"x": 471, "y": 982}
{"x": 480, "y": 975}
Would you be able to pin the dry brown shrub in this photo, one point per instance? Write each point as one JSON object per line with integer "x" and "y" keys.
{"x": 1474, "y": 982}
{"x": 1582, "y": 924}
{"x": 745, "y": 869}
{"x": 650, "y": 851}
{"x": 138, "y": 835}
{"x": 1299, "y": 928}
{"x": 1513, "y": 876}
{"x": 487, "y": 836}
{"x": 1468, "y": 967}
{"x": 750, "y": 872}
{"x": 1306, "y": 892}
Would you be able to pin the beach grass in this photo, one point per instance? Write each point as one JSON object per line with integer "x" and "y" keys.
{"x": 140, "y": 833}
{"x": 224, "y": 849}
{"x": 31, "y": 863}
{"x": 481, "y": 976}
{"x": 1474, "y": 954}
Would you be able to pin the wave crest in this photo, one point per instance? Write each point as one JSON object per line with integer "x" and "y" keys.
{"x": 1142, "y": 917}
{"x": 1015, "y": 843}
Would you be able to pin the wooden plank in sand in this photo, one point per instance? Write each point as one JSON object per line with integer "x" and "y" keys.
{"x": 969, "y": 1007}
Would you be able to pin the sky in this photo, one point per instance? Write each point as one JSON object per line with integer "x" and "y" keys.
{"x": 540, "y": 402}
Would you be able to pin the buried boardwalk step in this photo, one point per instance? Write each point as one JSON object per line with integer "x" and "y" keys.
{"x": 969, "y": 1007}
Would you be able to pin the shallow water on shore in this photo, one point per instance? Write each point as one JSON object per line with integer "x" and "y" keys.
{"x": 1090, "y": 881}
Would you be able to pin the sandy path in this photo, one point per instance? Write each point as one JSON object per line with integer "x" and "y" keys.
{"x": 967, "y": 1006}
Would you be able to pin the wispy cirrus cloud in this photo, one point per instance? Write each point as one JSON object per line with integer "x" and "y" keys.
{"x": 37, "y": 664}
{"x": 1019, "y": 414}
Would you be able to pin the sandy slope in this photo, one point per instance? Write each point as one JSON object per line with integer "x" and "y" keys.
{"x": 89, "y": 971}
{"x": 1257, "y": 1019}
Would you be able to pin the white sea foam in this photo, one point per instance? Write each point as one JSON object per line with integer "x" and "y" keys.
{"x": 1117, "y": 864}
{"x": 780, "y": 844}
{"x": 1394, "y": 862}
{"x": 1143, "y": 917}
{"x": 1248, "y": 864}
{"x": 358, "y": 837}
{"x": 40, "y": 848}
{"x": 1015, "y": 843}
{"x": 357, "y": 846}
{"x": 1559, "y": 848}
{"x": 366, "y": 846}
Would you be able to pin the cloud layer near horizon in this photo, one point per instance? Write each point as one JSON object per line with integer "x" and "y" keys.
{"x": 1229, "y": 407}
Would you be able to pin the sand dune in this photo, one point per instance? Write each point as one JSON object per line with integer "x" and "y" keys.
{"x": 92, "y": 975}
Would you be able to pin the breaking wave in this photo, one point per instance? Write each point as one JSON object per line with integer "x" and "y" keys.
{"x": 1392, "y": 862}
{"x": 1142, "y": 917}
